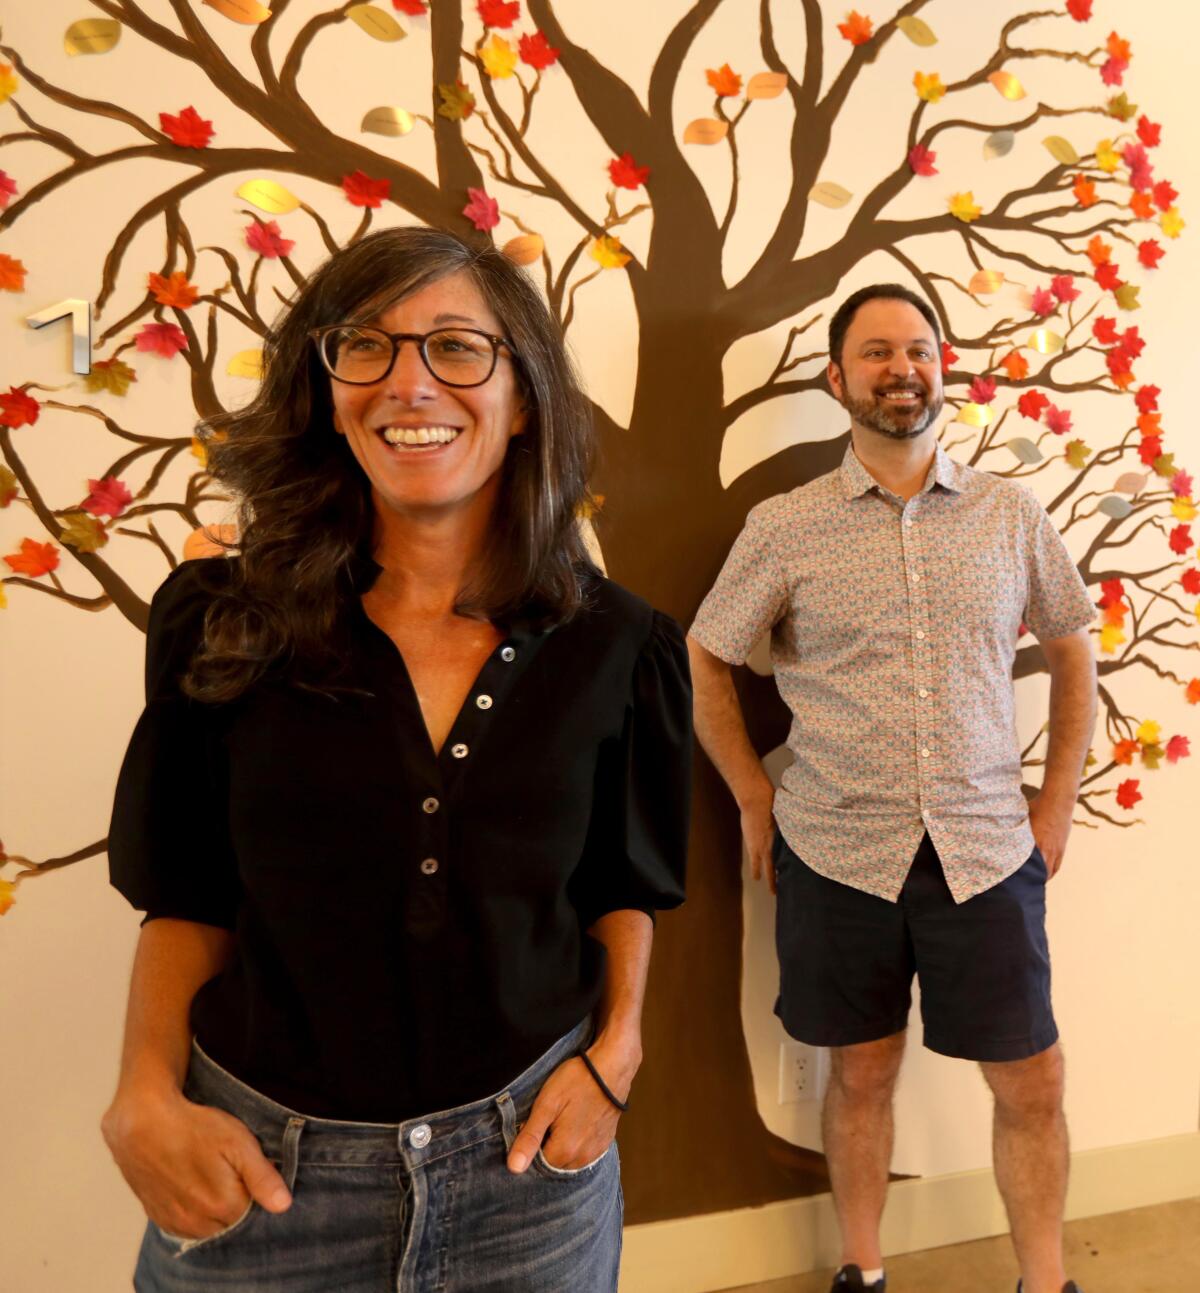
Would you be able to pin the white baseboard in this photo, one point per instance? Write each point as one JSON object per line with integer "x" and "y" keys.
{"x": 724, "y": 1249}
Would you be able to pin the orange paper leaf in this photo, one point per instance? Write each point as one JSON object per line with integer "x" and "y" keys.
{"x": 175, "y": 291}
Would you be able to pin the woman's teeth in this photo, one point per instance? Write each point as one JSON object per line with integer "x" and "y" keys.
{"x": 420, "y": 435}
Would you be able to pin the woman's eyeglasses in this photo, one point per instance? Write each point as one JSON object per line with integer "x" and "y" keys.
{"x": 362, "y": 355}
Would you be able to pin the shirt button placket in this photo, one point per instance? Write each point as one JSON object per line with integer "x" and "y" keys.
{"x": 916, "y": 571}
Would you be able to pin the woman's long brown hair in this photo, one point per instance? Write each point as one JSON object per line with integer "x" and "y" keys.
{"x": 305, "y": 517}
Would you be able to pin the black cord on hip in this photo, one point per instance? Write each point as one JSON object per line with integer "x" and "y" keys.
{"x": 600, "y": 1082}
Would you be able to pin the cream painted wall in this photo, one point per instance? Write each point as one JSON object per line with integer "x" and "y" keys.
{"x": 1123, "y": 913}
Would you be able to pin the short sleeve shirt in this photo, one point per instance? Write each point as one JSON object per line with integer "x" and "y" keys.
{"x": 894, "y": 627}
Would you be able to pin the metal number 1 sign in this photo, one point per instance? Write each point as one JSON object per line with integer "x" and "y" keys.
{"x": 80, "y": 313}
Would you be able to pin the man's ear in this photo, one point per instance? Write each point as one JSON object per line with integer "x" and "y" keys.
{"x": 833, "y": 375}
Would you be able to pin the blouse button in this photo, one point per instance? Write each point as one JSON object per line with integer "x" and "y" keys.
{"x": 429, "y": 866}
{"x": 460, "y": 751}
{"x": 508, "y": 655}
{"x": 483, "y": 702}
{"x": 430, "y": 805}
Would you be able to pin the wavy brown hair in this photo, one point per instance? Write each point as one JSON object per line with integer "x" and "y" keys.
{"x": 305, "y": 517}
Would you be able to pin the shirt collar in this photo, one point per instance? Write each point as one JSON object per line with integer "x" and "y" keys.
{"x": 943, "y": 471}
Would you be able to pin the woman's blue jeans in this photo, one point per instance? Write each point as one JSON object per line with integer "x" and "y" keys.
{"x": 425, "y": 1206}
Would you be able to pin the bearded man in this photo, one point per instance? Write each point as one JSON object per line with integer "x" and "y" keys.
{"x": 900, "y": 841}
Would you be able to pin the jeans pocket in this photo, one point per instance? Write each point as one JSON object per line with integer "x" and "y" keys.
{"x": 548, "y": 1170}
{"x": 181, "y": 1246}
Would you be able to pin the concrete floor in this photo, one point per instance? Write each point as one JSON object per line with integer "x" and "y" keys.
{"x": 1150, "y": 1250}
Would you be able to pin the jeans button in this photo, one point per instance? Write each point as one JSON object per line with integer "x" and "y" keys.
{"x": 420, "y": 1136}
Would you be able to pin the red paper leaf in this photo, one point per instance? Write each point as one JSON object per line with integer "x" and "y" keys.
{"x": 12, "y": 274}
{"x": 921, "y": 159}
{"x": 1108, "y": 277}
{"x": 1150, "y": 253}
{"x": 625, "y": 173}
{"x": 1113, "y": 71}
{"x": 724, "y": 80}
{"x": 1032, "y": 405}
{"x": 34, "y": 559}
{"x": 1085, "y": 191}
{"x": 188, "y": 129}
{"x": 175, "y": 291}
{"x": 1165, "y": 194}
{"x": 1181, "y": 484}
{"x": 1181, "y": 539}
{"x": 1147, "y": 398}
{"x": 1064, "y": 289}
{"x": 537, "y": 52}
{"x": 18, "y": 409}
{"x": 499, "y": 13}
{"x": 266, "y": 238}
{"x": 414, "y": 8}
{"x": 1141, "y": 173}
{"x": 856, "y": 29}
{"x": 482, "y": 211}
{"x": 1105, "y": 330}
{"x": 1149, "y": 132}
{"x": 8, "y": 189}
{"x": 1150, "y": 449}
{"x": 1058, "y": 420}
{"x": 162, "y": 339}
{"x": 1191, "y": 582}
{"x": 1178, "y": 748}
{"x": 362, "y": 191}
{"x": 1080, "y": 10}
{"x": 949, "y": 357}
{"x": 982, "y": 391}
{"x": 1043, "y": 302}
{"x": 109, "y": 497}
{"x": 1119, "y": 362}
{"x": 1132, "y": 343}
{"x": 1112, "y": 591}
{"x": 1128, "y": 793}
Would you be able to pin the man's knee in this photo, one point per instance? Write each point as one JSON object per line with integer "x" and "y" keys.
{"x": 869, "y": 1070}
{"x": 1029, "y": 1088}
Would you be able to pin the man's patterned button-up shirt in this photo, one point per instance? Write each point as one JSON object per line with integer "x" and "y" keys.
{"x": 893, "y": 631}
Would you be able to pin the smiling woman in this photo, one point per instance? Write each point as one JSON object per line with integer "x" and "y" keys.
{"x": 411, "y": 693}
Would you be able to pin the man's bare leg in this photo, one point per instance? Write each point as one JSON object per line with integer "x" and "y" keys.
{"x": 858, "y": 1129}
{"x": 1030, "y": 1152}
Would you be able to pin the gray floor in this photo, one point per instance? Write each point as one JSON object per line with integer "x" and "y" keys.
{"x": 1150, "y": 1250}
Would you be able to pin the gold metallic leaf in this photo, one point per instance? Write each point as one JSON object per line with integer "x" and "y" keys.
{"x": 1062, "y": 150}
{"x": 829, "y": 194}
{"x": 268, "y": 196}
{"x": 920, "y": 33}
{"x": 1046, "y": 342}
{"x": 1008, "y": 85}
{"x": 376, "y": 22}
{"x": 525, "y": 249}
{"x": 1132, "y": 482}
{"x": 705, "y": 130}
{"x": 975, "y": 415}
{"x": 246, "y": 363}
{"x": 1025, "y": 450}
{"x": 766, "y": 85}
{"x": 388, "y": 121}
{"x": 985, "y": 282}
{"x": 92, "y": 36}
{"x": 247, "y": 11}
{"x": 998, "y": 144}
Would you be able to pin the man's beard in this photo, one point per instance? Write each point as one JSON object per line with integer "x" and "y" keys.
{"x": 895, "y": 423}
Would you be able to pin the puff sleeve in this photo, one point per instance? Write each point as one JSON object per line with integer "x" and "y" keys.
{"x": 169, "y": 850}
{"x": 635, "y": 854}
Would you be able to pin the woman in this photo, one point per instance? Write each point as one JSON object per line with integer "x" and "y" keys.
{"x": 410, "y": 779}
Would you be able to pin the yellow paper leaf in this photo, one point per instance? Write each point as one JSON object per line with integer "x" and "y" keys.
{"x": 920, "y": 33}
{"x": 1107, "y": 157}
{"x": 1172, "y": 223}
{"x": 928, "y": 86}
{"x": 247, "y": 11}
{"x": 246, "y": 363}
{"x": 829, "y": 194}
{"x": 705, "y": 130}
{"x": 1183, "y": 509}
{"x": 1046, "y": 342}
{"x": 1062, "y": 150}
{"x": 268, "y": 196}
{"x": 766, "y": 85}
{"x": 985, "y": 282}
{"x": 998, "y": 144}
{"x": 199, "y": 452}
{"x": 8, "y": 82}
{"x": 1077, "y": 454}
{"x": 388, "y": 121}
{"x": 964, "y": 208}
{"x": 608, "y": 253}
{"x": 975, "y": 415}
{"x": 524, "y": 250}
{"x": 376, "y": 22}
{"x": 1008, "y": 85}
{"x": 1126, "y": 296}
{"x": 92, "y": 36}
{"x": 1150, "y": 733}
{"x": 1111, "y": 637}
{"x": 498, "y": 57}
{"x": 82, "y": 532}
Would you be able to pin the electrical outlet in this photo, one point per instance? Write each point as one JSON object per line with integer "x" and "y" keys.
{"x": 801, "y": 1072}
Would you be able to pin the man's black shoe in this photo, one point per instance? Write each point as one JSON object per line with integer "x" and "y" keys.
{"x": 1069, "y": 1287}
{"x": 849, "y": 1280}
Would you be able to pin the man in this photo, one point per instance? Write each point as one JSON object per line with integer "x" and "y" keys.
{"x": 895, "y": 589}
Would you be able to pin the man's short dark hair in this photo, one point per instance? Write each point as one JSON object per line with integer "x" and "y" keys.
{"x": 875, "y": 292}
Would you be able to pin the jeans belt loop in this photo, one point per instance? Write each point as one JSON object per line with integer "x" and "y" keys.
{"x": 290, "y": 1153}
{"x": 508, "y": 1118}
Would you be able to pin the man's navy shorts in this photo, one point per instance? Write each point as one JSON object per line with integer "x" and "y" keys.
{"x": 847, "y": 960}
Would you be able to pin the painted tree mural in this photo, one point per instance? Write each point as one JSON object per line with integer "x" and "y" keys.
{"x": 1045, "y": 373}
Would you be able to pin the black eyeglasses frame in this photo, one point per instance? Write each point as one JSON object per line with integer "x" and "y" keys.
{"x": 421, "y": 338}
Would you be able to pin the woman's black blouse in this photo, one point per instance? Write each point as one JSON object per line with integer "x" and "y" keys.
{"x": 410, "y": 927}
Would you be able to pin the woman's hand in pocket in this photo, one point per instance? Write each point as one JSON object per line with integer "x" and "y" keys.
{"x": 195, "y": 1169}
